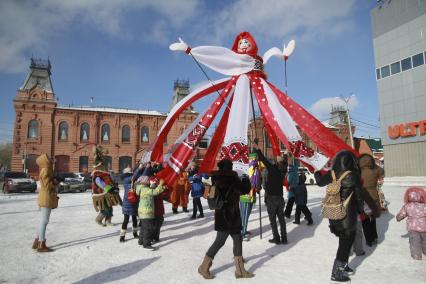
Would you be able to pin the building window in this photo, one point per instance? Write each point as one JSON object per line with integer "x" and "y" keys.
{"x": 63, "y": 131}
{"x": 385, "y": 71}
{"x": 108, "y": 162}
{"x": 395, "y": 67}
{"x": 378, "y": 73}
{"x": 418, "y": 60}
{"x": 124, "y": 162}
{"x": 33, "y": 129}
{"x": 62, "y": 164}
{"x": 125, "y": 134}
{"x": 406, "y": 64}
{"x": 84, "y": 132}
{"x": 267, "y": 142}
{"x": 145, "y": 134}
{"x": 83, "y": 164}
{"x": 105, "y": 133}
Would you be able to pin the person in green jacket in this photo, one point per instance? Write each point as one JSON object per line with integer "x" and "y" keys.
{"x": 146, "y": 211}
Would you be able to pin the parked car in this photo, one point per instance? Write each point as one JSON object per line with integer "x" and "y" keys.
{"x": 86, "y": 179}
{"x": 16, "y": 182}
{"x": 69, "y": 182}
{"x": 310, "y": 177}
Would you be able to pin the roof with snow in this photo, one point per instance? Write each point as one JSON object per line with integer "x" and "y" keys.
{"x": 113, "y": 110}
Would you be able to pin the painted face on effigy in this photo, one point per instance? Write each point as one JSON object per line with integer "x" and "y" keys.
{"x": 244, "y": 45}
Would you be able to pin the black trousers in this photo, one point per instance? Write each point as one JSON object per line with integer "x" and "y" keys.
{"x": 126, "y": 221}
{"x": 275, "y": 208}
{"x": 345, "y": 244}
{"x": 370, "y": 229}
{"x": 158, "y": 222}
{"x": 196, "y": 203}
{"x": 305, "y": 210}
{"x": 147, "y": 231}
{"x": 289, "y": 207}
{"x": 220, "y": 241}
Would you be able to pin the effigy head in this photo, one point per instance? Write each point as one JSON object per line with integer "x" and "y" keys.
{"x": 245, "y": 44}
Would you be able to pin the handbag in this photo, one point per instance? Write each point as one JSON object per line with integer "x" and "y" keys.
{"x": 132, "y": 197}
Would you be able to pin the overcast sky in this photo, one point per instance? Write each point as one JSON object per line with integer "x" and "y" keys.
{"x": 117, "y": 51}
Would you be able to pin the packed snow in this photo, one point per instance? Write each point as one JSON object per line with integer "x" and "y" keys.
{"x": 87, "y": 253}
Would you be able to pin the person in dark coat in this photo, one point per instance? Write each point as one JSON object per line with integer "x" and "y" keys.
{"x": 129, "y": 209}
{"x": 344, "y": 229}
{"x": 301, "y": 199}
{"x": 274, "y": 197}
{"x": 227, "y": 220}
{"x": 293, "y": 181}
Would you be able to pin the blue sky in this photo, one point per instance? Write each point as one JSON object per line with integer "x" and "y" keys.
{"x": 117, "y": 51}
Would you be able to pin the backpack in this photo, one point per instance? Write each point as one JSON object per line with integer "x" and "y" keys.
{"x": 216, "y": 200}
{"x": 333, "y": 207}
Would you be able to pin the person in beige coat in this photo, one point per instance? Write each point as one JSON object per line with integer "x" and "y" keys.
{"x": 370, "y": 174}
{"x": 47, "y": 200}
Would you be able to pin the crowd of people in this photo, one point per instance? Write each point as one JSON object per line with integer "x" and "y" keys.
{"x": 144, "y": 195}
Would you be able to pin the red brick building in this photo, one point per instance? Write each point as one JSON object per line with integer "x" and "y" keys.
{"x": 43, "y": 126}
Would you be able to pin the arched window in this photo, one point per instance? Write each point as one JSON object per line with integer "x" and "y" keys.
{"x": 83, "y": 164}
{"x": 125, "y": 134}
{"x": 105, "y": 133}
{"x": 33, "y": 129}
{"x": 84, "y": 132}
{"x": 145, "y": 134}
{"x": 63, "y": 131}
{"x": 108, "y": 162}
{"x": 124, "y": 162}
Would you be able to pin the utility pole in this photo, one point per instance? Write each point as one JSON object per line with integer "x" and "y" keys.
{"x": 346, "y": 100}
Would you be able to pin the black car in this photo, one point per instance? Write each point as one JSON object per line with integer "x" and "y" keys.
{"x": 69, "y": 182}
{"x": 16, "y": 182}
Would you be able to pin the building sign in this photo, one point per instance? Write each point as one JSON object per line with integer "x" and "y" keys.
{"x": 409, "y": 129}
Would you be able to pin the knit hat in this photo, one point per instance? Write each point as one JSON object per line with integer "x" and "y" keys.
{"x": 153, "y": 182}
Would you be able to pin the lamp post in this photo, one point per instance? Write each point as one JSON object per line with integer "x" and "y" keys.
{"x": 346, "y": 100}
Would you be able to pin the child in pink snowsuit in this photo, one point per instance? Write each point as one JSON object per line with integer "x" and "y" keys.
{"x": 415, "y": 211}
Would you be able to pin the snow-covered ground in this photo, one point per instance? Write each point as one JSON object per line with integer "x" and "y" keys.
{"x": 87, "y": 253}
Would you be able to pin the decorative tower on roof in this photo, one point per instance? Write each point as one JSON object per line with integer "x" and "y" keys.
{"x": 181, "y": 90}
{"x": 339, "y": 119}
{"x": 38, "y": 76}
{"x": 34, "y": 105}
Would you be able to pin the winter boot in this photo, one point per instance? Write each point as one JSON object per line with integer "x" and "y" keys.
{"x": 99, "y": 219}
{"x": 337, "y": 274}
{"x": 240, "y": 271}
{"x": 310, "y": 221}
{"x": 35, "y": 244}
{"x": 122, "y": 235}
{"x": 108, "y": 222}
{"x": 135, "y": 232}
{"x": 42, "y": 247}
{"x": 185, "y": 209}
{"x": 284, "y": 240}
{"x": 204, "y": 268}
{"x": 348, "y": 270}
{"x": 174, "y": 210}
{"x": 201, "y": 215}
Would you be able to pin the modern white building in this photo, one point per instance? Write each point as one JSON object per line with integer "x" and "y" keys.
{"x": 399, "y": 39}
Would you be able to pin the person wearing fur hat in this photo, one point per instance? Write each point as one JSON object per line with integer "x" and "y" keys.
{"x": 414, "y": 210}
{"x": 227, "y": 219}
{"x": 104, "y": 194}
{"x": 146, "y": 210}
{"x": 47, "y": 200}
{"x": 370, "y": 174}
{"x": 129, "y": 209}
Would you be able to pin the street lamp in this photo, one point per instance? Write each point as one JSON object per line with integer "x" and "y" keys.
{"x": 346, "y": 100}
